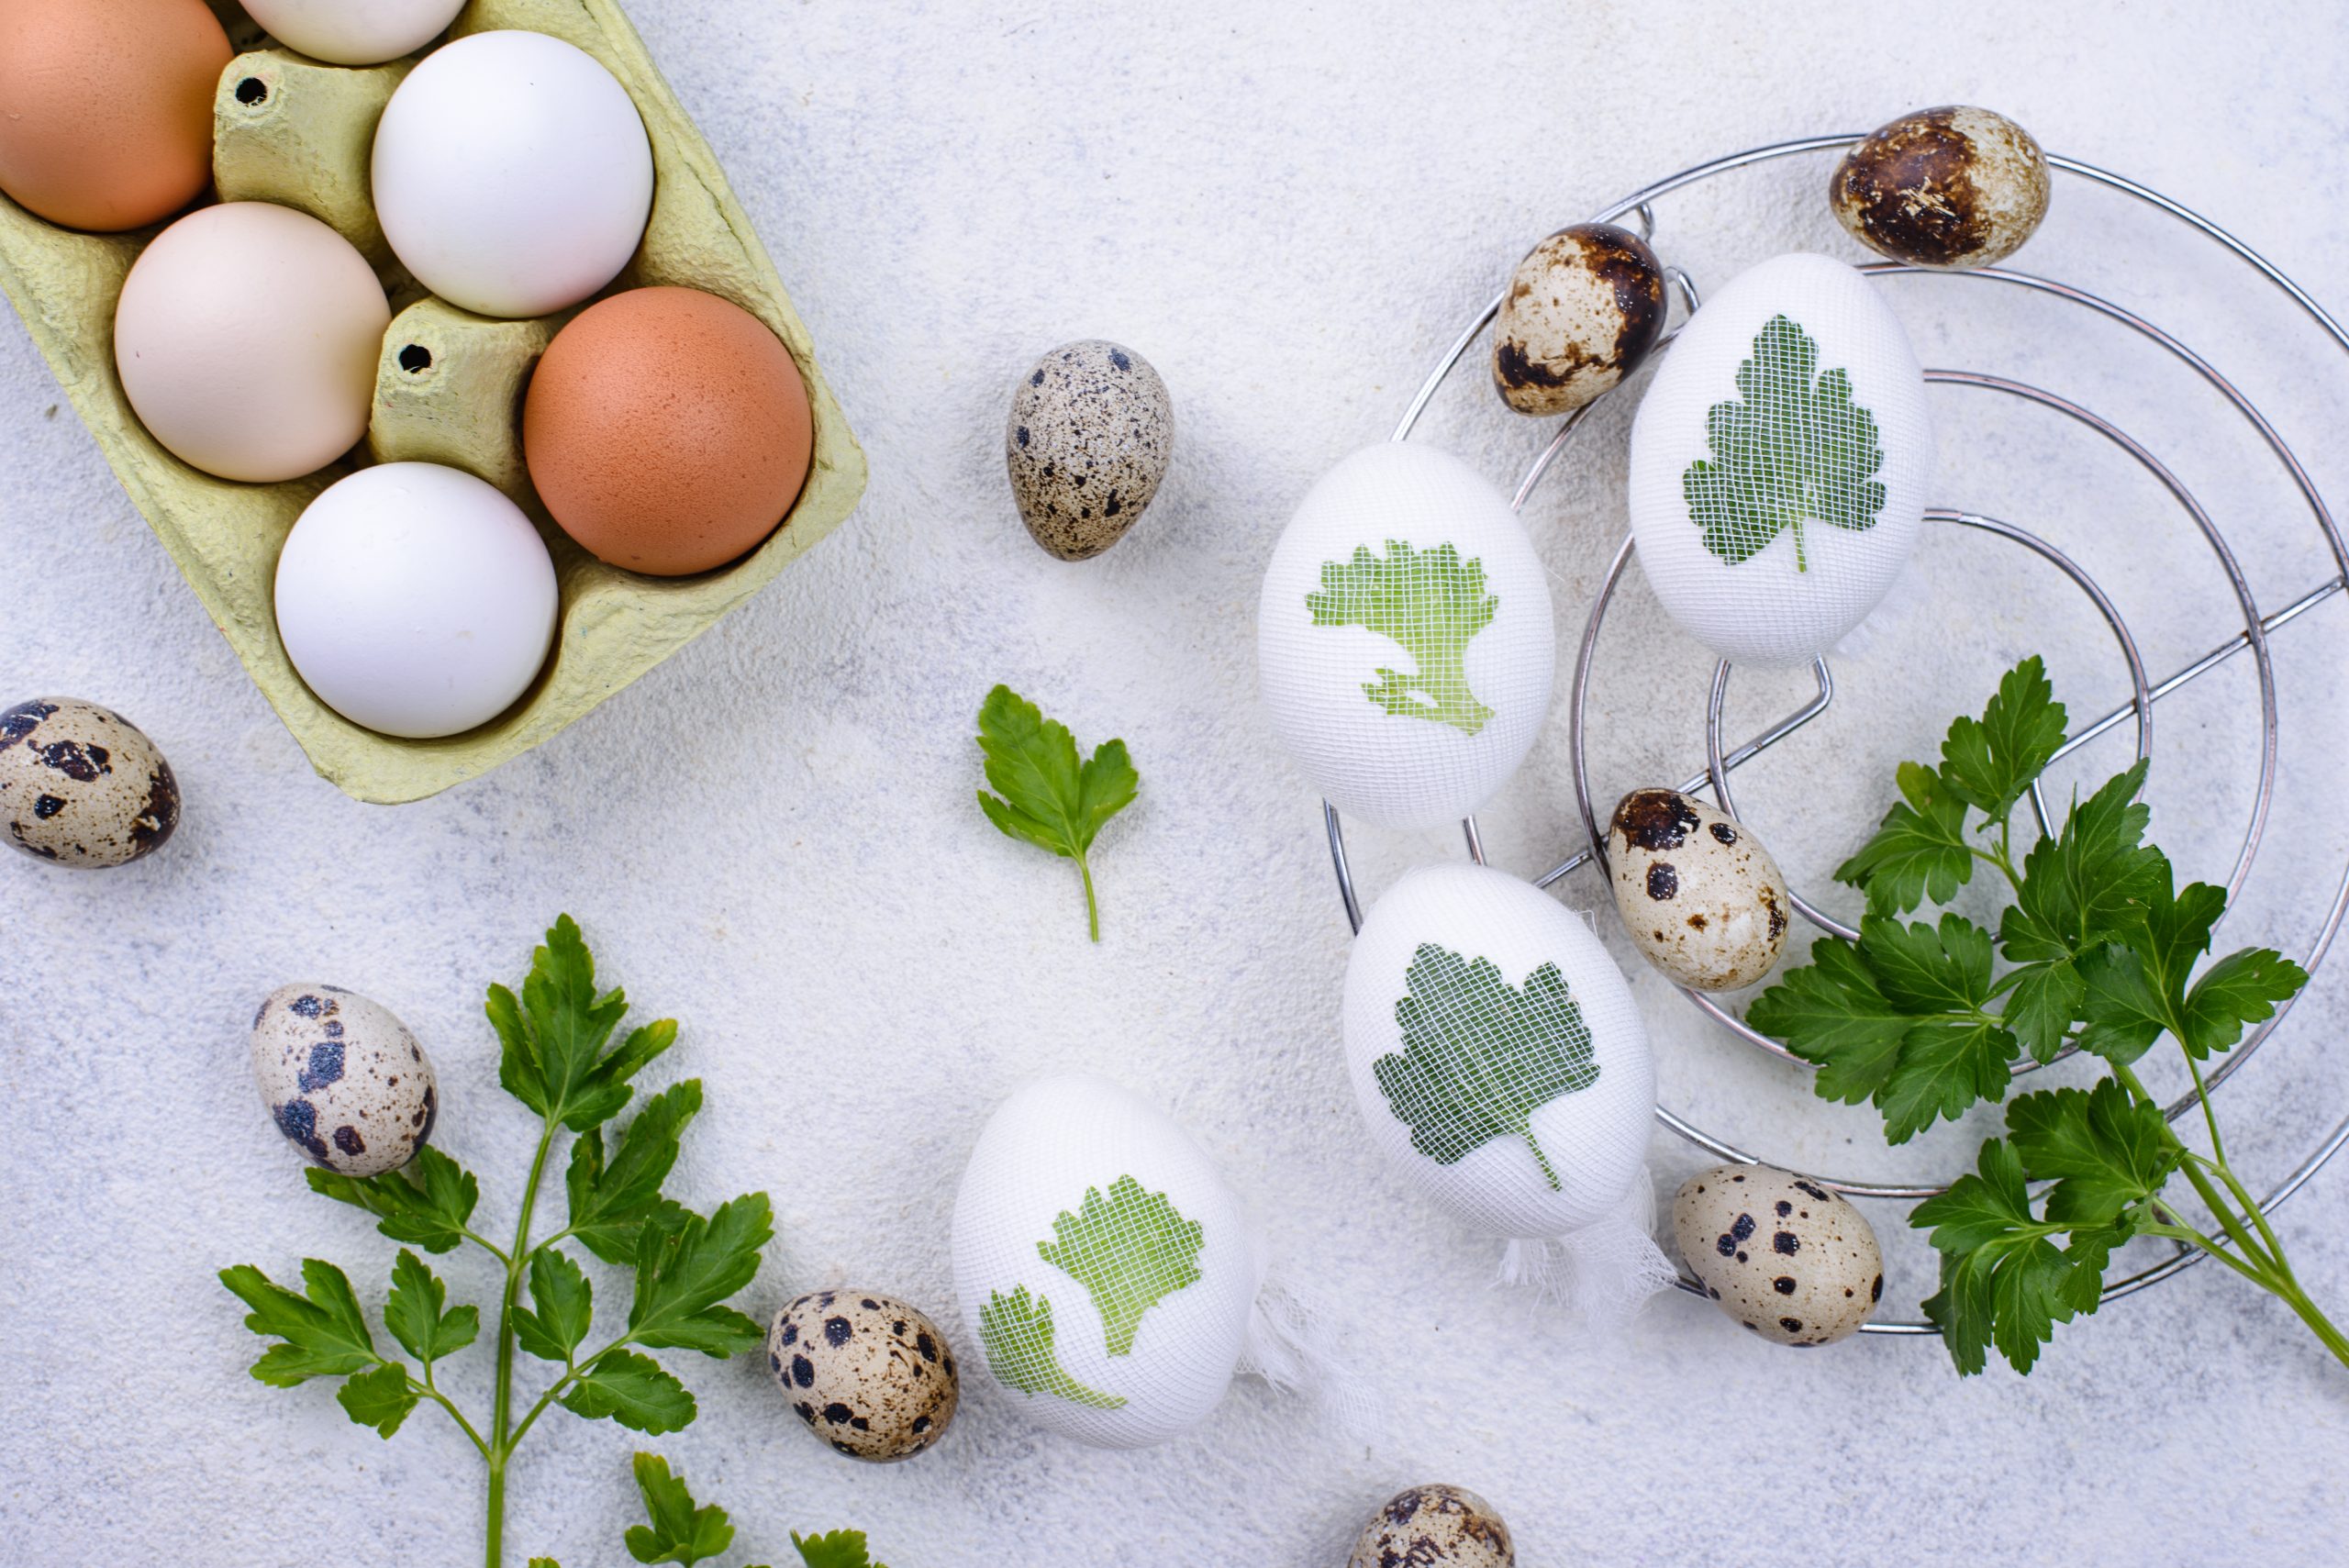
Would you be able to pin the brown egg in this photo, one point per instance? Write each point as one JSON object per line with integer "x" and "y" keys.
{"x": 105, "y": 110}
{"x": 667, "y": 431}
{"x": 1945, "y": 187}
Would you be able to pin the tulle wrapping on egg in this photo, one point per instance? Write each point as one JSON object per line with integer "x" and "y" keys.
{"x": 1405, "y": 639}
{"x": 1501, "y": 1065}
{"x": 1778, "y": 461}
{"x": 1108, "y": 1278}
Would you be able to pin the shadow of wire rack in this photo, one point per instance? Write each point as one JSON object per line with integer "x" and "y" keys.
{"x": 1723, "y": 761}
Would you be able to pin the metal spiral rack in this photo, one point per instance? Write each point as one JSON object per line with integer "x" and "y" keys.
{"x": 1721, "y": 760}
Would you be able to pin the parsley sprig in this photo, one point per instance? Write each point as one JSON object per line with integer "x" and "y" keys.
{"x": 2099, "y": 952}
{"x": 1044, "y": 793}
{"x": 558, "y": 1057}
{"x": 684, "y": 1533}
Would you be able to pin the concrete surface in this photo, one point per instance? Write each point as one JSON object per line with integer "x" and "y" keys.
{"x": 1291, "y": 210}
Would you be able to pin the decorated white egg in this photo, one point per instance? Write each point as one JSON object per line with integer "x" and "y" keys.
{"x": 1501, "y": 1065}
{"x": 1106, "y": 1273}
{"x": 1778, "y": 461}
{"x": 1405, "y": 640}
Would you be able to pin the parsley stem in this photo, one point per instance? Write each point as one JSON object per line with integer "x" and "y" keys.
{"x": 1092, "y": 907}
{"x": 502, "y": 1437}
{"x": 427, "y": 1391}
{"x": 565, "y": 1381}
{"x": 2210, "y": 1117}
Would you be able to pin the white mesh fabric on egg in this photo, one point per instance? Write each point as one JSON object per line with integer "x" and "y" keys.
{"x": 1106, "y": 1273}
{"x": 1501, "y": 1064}
{"x": 1405, "y": 639}
{"x": 1778, "y": 461}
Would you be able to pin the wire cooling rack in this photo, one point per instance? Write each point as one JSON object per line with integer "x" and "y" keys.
{"x": 1723, "y": 761}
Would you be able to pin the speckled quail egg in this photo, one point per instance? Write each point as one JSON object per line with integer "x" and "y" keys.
{"x": 1947, "y": 187}
{"x": 1090, "y": 434}
{"x": 1701, "y": 898}
{"x": 81, "y": 787}
{"x": 343, "y": 1078}
{"x": 1434, "y": 1527}
{"x": 869, "y": 1375}
{"x": 1790, "y": 1259}
{"x": 1581, "y": 311}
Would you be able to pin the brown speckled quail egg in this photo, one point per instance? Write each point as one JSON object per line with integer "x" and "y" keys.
{"x": 1434, "y": 1527}
{"x": 1089, "y": 440}
{"x": 1582, "y": 309}
{"x": 81, "y": 787}
{"x": 343, "y": 1078}
{"x": 1792, "y": 1261}
{"x": 867, "y": 1374}
{"x": 1947, "y": 187}
{"x": 1701, "y": 898}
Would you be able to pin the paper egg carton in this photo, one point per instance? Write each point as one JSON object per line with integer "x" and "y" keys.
{"x": 447, "y": 390}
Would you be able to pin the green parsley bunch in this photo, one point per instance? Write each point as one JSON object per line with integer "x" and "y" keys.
{"x": 557, "y": 1057}
{"x": 2099, "y": 952}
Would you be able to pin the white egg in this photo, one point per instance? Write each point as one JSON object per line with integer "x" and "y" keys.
{"x": 1105, "y": 1270}
{"x": 1405, "y": 639}
{"x": 415, "y": 600}
{"x": 512, "y": 174}
{"x": 1778, "y": 461}
{"x": 247, "y": 336}
{"x": 343, "y": 1078}
{"x": 355, "y": 32}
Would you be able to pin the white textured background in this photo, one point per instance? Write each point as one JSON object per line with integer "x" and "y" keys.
{"x": 1290, "y": 210}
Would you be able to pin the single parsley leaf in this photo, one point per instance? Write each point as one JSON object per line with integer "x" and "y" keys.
{"x": 1044, "y": 795}
{"x": 561, "y": 1309}
{"x": 1130, "y": 1251}
{"x": 2141, "y": 987}
{"x": 1794, "y": 448}
{"x": 325, "y": 1333}
{"x": 685, "y": 1271}
{"x": 1017, "y": 1332}
{"x": 1990, "y": 762}
{"x": 2078, "y": 887}
{"x": 1429, "y": 602}
{"x": 633, "y": 1390}
{"x": 1895, "y": 1018}
{"x": 680, "y": 1532}
{"x": 2004, "y": 1281}
{"x": 553, "y": 1058}
{"x": 2043, "y": 1001}
{"x": 1919, "y": 851}
{"x": 413, "y": 1313}
{"x": 380, "y": 1398}
{"x": 426, "y": 1204}
{"x": 1481, "y": 1056}
{"x": 611, "y": 1204}
{"x": 839, "y": 1549}
{"x": 2104, "y": 1149}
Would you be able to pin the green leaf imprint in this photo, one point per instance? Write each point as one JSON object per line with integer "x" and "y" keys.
{"x": 1480, "y": 1056}
{"x": 1017, "y": 1331}
{"x": 1796, "y": 449}
{"x": 1129, "y": 1250}
{"x": 1430, "y": 603}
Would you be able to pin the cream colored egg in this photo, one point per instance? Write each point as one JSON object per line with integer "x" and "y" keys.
{"x": 1790, "y": 1259}
{"x": 1105, "y": 1270}
{"x": 871, "y": 1376}
{"x": 344, "y": 1080}
{"x": 247, "y": 337}
{"x": 1405, "y": 638}
{"x": 1779, "y": 460}
{"x": 1700, "y": 897}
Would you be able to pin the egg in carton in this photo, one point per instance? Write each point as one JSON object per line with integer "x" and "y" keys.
{"x": 295, "y": 132}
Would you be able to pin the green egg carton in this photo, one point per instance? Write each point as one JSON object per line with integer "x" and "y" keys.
{"x": 449, "y": 390}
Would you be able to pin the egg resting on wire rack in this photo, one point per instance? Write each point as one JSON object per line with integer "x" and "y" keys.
{"x": 1405, "y": 639}
{"x": 1778, "y": 463}
{"x": 1501, "y": 1066}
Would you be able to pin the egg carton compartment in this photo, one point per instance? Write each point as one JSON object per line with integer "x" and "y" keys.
{"x": 291, "y": 131}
